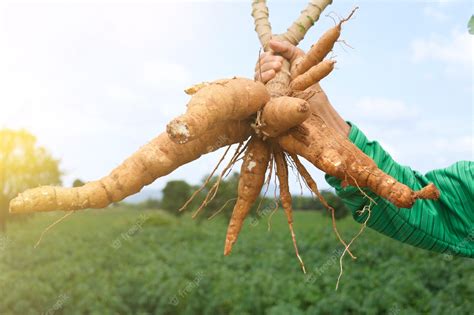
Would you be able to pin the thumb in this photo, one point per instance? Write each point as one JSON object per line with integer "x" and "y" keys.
{"x": 285, "y": 49}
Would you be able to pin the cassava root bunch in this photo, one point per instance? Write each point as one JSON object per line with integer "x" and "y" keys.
{"x": 273, "y": 119}
{"x": 234, "y": 99}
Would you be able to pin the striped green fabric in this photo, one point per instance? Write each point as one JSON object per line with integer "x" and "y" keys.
{"x": 445, "y": 226}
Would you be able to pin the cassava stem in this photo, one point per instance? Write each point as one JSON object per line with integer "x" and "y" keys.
{"x": 262, "y": 25}
{"x": 307, "y": 18}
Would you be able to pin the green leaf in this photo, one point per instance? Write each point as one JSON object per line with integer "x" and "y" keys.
{"x": 470, "y": 25}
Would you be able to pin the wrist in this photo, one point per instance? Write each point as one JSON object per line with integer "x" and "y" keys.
{"x": 321, "y": 106}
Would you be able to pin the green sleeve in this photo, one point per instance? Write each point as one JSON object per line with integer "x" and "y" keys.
{"x": 445, "y": 225}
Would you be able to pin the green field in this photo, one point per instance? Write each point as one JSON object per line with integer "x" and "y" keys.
{"x": 120, "y": 261}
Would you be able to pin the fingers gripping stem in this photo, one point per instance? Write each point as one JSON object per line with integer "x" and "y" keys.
{"x": 279, "y": 85}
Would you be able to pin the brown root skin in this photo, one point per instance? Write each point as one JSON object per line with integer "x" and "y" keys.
{"x": 337, "y": 156}
{"x": 285, "y": 196}
{"x": 317, "y": 52}
{"x": 313, "y": 75}
{"x": 158, "y": 158}
{"x": 320, "y": 50}
{"x": 281, "y": 114}
{"x": 196, "y": 87}
{"x": 252, "y": 176}
{"x": 295, "y": 65}
{"x": 221, "y": 100}
{"x": 428, "y": 192}
{"x": 282, "y": 174}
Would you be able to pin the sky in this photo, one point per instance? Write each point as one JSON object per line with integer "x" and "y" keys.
{"x": 95, "y": 80}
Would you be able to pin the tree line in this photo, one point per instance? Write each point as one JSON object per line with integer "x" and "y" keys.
{"x": 25, "y": 164}
{"x": 177, "y": 192}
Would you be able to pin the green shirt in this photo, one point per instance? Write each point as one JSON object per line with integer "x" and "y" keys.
{"x": 445, "y": 225}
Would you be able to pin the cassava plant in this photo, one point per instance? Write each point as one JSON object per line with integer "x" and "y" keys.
{"x": 273, "y": 125}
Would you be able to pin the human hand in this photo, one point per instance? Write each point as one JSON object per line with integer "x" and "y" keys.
{"x": 270, "y": 63}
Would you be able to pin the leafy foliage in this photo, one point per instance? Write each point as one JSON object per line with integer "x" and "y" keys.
{"x": 175, "y": 194}
{"x": 23, "y": 164}
{"x": 224, "y": 199}
{"x": 470, "y": 25}
{"x": 311, "y": 203}
{"x": 334, "y": 201}
{"x": 227, "y": 193}
{"x": 135, "y": 262}
{"x": 77, "y": 183}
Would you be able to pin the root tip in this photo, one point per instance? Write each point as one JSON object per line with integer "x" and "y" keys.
{"x": 16, "y": 205}
{"x": 430, "y": 191}
{"x": 349, "y": 17}
{"x": 228, "y": 247}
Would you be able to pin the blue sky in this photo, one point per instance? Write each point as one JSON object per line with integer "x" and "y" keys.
{"x": 96, "y": 81}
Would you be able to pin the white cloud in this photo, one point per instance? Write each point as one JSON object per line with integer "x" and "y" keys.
{"x": 386, "y": 121}
{"x": 435, "y": 13}
{"x": 454, "y": 49}
{"x": 446, "y": 2}
{"x": 166, "y": 74}
{"x": 463, "y": 144}
{"x": 418, "y": 140}
{"x": 118, "y": 93}
{"x": 96, "y": 82}
{"x": 78, "y": 78}
{"x": 420, "y": 147}
{"x": 382, "y": 109}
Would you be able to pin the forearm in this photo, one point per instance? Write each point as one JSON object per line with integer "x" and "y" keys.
{"x": 443, "y": 226}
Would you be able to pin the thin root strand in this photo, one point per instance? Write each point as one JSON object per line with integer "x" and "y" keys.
{"x": 349, "y": 17}
{"x": 197, "y": 191}
{"x": 364, "y": 225}
{"x": 311, "y": 183}
{"x": 221, "y": 208}
{"x": 293, "y": 238}
{"x": 51, "y": 226}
